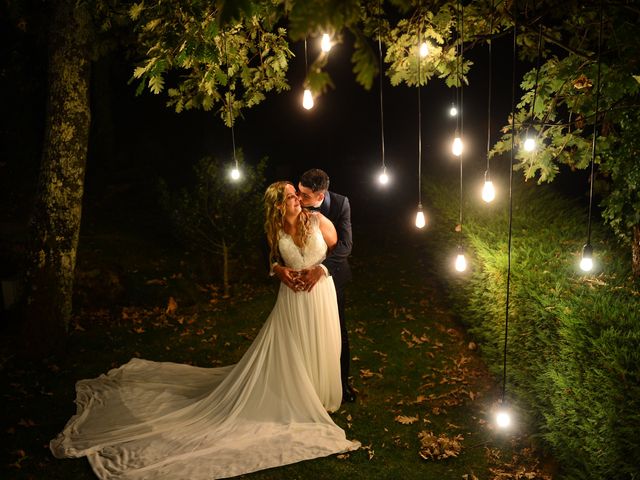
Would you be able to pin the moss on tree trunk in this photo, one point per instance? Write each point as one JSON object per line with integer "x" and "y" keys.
{"x": 635, "y": 251}
{"x": 55, "y": 224}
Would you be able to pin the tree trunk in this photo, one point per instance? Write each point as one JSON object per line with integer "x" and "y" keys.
{"x": 635, "y": 251}
{"x": 55, "y": 223}
{"x": 225, "y": 269}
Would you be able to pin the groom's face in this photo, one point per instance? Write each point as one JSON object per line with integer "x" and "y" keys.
{"x": 309, "y": 198}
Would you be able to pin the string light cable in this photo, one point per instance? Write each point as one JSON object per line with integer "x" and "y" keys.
{"x": 420, "y": 218}
{"x": 586, "y": 263}
{"x": 488, "y": 190}
{"x": 383, "y": 178}
{"x": 235, "y": 172}
{"x": 307, "y": 96}
{"x": 461, "y": 261}
{"x": 503, "y": 418}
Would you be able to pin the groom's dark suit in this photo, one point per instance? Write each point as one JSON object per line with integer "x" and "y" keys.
{"x": 337, "y": 209}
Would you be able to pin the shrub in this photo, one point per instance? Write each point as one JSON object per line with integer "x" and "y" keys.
{"x": 216, "y": 216}
{"x": 574, "y": 339}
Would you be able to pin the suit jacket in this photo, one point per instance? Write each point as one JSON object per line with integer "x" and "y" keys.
{"x": 337, "y": 209}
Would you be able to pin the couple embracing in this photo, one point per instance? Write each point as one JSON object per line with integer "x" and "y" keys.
{"x": 152, "y": 420}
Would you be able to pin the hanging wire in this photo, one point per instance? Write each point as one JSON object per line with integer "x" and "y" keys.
{"x": 513, "y": 135}
{"x": 384, "y": 167}
{"x": 461, "y": 112}
{"x": 306, "y": 61}
{"x": 458, "y": 99}
{"x": 595, "y": 125}
{"x": 487, "y": 174}
{"x": 419, "y": 123}
{"x": 229, "y": 116}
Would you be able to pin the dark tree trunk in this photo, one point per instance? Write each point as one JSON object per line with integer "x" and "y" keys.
{"x": 55, "y": 223}
{"x": 635, "y": 251}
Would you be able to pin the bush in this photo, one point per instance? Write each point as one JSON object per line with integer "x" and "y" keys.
{"x": 216, "y": 217}
{"x": 574, "y": 339}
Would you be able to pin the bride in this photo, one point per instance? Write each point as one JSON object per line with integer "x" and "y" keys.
{"x": 161, "y": 420}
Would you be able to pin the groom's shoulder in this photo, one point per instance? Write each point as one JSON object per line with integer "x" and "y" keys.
{"x": 338, "y": 197}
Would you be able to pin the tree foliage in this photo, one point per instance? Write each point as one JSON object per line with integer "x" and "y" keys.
{"x": 230, "y": 55}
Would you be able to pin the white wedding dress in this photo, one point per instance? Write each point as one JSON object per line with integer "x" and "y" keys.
{"x": 161, "y": 420}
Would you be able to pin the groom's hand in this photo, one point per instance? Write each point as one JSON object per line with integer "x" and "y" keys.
{"x": 311, "y": 276}
{"x": 287, "y": 276}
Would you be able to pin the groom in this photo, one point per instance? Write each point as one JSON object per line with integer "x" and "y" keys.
{"x": 314, "y": 194}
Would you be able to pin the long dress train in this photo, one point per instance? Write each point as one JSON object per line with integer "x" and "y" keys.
{"x": 161, "y": 420}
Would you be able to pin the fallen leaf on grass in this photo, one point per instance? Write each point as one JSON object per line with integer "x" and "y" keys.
{"x": 343, "y": 456}
{"x": 366, "y": 373}
{"x": 172, "y": 306}
{"x": 369, "y": 450}
{"x": 405, "y": 420}
{"x": 439, "y": 448}
{"x": 138, "y": 329}
{"x": 157, "y": 281}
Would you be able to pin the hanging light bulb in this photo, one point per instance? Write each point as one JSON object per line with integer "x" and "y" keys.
{"x": 325, "y": 43}
{"x": 307, "y": 99}
{"x": 235, "y": 173}
{"x": 488, "y": 190}
{"x": 503, "y": 418}
{"x": 420, "y": 219}
{"x": 457, "y": 146}
{"x": 586, "y": 263}
{"x": 424, "y": 49}
{"x": 461, "y": 261}
{"x": 383, "y": 178}
{"x": 529, "y": 144}
{"x": 453, "y": 111}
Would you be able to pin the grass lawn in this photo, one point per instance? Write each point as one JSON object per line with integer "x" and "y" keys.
{"x": 412, "y": 362}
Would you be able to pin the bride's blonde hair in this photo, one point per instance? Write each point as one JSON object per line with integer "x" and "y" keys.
{"x": 274, "y": 205}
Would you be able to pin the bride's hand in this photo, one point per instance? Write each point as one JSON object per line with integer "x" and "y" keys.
{"x": 310, "y": 277}
{"x": 288, "y": 276}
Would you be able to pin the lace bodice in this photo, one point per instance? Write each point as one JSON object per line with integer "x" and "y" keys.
{"x": 313, "y": 253}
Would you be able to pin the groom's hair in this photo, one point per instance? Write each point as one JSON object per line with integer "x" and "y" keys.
{"x": 315, "y": 179}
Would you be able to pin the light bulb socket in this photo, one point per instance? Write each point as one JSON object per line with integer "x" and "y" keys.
{"x": 587, "y": 251}
{"x": 487, "y": 176}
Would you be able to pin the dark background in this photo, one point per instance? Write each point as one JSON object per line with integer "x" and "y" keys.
{"x": 136, "y": 140}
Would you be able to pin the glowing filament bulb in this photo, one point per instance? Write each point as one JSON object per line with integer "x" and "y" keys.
{"x": 529, "y": 144}
{"x": 307, "y": 99}
{"x": 235, "y": 174}
{"x": 461, "y": 262}
{"x": 586, "y": 263}
{"x": 453, "y": 111}
{"x": 488, "y": 191}
{"x": 503, "y": 419}
{"x": 424, "y": 49}
{"x": 457, "y": 146}
{"x": 325, "y": 43}
{"x": 420, "y": 220}
{"x": 383, "y": 178}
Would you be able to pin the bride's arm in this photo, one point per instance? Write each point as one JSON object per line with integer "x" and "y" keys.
{"x": 328, "y": 231}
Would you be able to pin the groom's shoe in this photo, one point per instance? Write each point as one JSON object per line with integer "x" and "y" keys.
{"x": 348, "y": 395}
